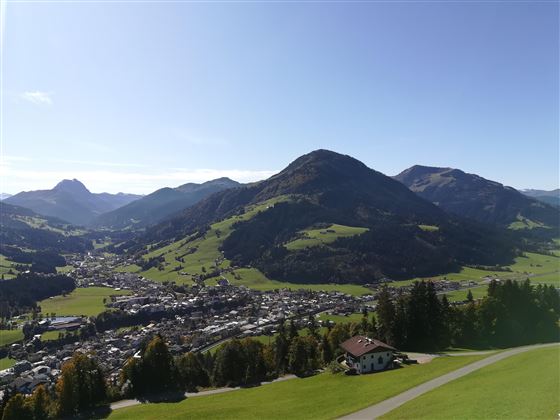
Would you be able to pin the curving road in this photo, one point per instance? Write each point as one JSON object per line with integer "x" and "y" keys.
{"x": 390, "y": 404}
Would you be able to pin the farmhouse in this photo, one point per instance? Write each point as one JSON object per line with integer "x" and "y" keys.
{"x": 368, "y": 355}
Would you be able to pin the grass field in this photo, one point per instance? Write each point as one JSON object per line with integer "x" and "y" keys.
{"x": 65, "y": 269}
{"x": 461, "y": 295}
{"x": 429, "y": 228}
{"x": 316, "y": 237}
{"x": 6, "y": 266}
{"x": 82, "y": 301}
{"x": 357, "y": 317}
{"x": 524, "y": 223}
{"x": 254, "y": 279}
{"x": 10, "y": 336}
{"x": 131, "y": 268}
{"x": 324, "y": 396}
{"x": 535, "y": 263}
{"x": 6, "y": 363}
{"x": 524, "y": 386}
{"x": 545, "y": 267}
{"x": 51, "y": 335}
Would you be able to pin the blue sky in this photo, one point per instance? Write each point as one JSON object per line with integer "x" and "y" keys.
{"x": 132, "y": 97}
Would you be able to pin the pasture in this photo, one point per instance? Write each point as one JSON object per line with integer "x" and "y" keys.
{"x": 317, "y": 237}
{"x": 524, "y": 386}
{"x": 10, "y": 336}
{"x": 6, "y": 363}
{"x": 81, "y": 302}
{"x": 322, "y": 396}
{"x": 254, "y": 279}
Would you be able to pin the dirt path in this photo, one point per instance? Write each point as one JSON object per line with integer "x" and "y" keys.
{"x": 130, "y": 403}
{"x": 390, "y": 404}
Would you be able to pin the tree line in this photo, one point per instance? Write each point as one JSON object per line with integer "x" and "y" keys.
{"x": 23, "y": 292}
{"x": 513, "y": 313}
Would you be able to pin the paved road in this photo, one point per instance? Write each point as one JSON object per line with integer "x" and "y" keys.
{"x": 386, "y": 406}
{"x": 130, "y": 403}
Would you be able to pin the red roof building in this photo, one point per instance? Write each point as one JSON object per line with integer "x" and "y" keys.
{"x": 368, "y": 354}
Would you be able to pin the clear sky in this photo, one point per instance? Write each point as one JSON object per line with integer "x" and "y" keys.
{"x": 135, "y": 96}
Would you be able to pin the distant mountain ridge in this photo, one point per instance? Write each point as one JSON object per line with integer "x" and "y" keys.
{"x": 405, "y": 235}
{"x": 70, "y": 201}
{"x": 550, "y": 197}
{"x": 160, "y": 204}
{"x": 472, "y": 196}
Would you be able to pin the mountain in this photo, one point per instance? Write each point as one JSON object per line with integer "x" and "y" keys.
{"x": 3, "y": 196}
{"x": 550, "y": 197}
{"x": 29, "y": 238}
{"x": 71, "y": 201}
{"x": 160, "y": 204}
{"x": 372, "y": 225}
{"x": 472, "y": 196}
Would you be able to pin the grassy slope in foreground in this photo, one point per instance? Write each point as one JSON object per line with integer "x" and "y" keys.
{"x": 521, "y": 386}
{"x": 322, "y": 396}
{"x": 82, "y": 301}
{"x": 316, "y": 237}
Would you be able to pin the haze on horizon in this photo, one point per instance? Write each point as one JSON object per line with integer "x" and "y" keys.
{"x": 134, "y": 97}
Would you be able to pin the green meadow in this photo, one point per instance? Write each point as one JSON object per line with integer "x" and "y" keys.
{"x": 7, "y": 269}
{"x": 6, "y": 363}
{"x": 316, "y": 237}
{"x": 461, "y": 295}
{"x": 10, "y": 336}
{"x": 524, "y": 386}
{"x": 254, "y": 279}
{"x": 82, "y": 301}
{"x": 322, "y": 396}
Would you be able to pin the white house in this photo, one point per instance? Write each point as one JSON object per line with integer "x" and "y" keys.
{"x": 368, "y": 355}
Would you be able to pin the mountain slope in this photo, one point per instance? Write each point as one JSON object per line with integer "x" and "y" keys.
{"x": 472, "y": 196}
{"x": 549, "y": 197}
{"x": 34, "y": 240}
{"x": 71, "y": 201}
{"x": 162, "y": 203}
{"x": 394, "y": 232}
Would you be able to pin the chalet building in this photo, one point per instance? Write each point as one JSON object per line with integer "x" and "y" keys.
{"x": 368, "y": 355}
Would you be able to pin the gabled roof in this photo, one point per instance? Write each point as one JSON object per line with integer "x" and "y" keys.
{"x": 360, "y": 345}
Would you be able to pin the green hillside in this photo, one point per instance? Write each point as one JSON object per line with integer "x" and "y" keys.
{"x": 524, "y": 386}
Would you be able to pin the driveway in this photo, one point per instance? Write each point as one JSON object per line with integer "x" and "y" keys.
{"x": 390, "y": 404}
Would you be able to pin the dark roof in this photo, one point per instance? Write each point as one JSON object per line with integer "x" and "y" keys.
{"x": 359, "y": 345}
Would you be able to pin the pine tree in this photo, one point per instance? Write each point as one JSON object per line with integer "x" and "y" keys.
{"x": 385, "y": 315}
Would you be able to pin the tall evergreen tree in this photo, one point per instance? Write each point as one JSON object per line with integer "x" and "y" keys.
{"x": 385, "y": 315}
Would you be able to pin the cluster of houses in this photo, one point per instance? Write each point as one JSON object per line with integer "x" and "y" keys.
{"x": 193, "y": 320}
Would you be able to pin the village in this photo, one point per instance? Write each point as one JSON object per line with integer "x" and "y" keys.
{"x": 192, "y": 319}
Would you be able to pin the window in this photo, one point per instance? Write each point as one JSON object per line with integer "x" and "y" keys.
{"x": 380, "y": 360}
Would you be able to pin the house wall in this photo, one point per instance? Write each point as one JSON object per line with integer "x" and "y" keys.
{"x": 371, "y": 362}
